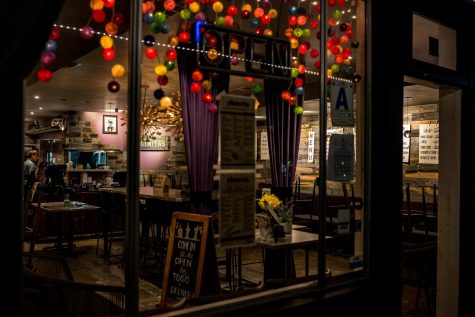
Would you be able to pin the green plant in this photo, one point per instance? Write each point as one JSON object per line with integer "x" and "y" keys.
{"x": 285, "y": 212}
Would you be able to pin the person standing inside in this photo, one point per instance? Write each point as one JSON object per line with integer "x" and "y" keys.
{"x": 29, "y": 168}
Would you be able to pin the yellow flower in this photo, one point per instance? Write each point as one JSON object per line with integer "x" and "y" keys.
{"x": 271, "y": 199}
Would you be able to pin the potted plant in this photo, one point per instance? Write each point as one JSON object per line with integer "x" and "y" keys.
{"x": 286, "y": 214}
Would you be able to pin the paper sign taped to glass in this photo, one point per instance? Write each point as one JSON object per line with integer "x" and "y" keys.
{"x": 342, "y": 104}
{"x": 341, "y": 158}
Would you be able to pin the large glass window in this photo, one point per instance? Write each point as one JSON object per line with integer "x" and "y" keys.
{"x": 240, "y": 103}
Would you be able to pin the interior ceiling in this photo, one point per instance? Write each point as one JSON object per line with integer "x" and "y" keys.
{"x": 81, "y": 75}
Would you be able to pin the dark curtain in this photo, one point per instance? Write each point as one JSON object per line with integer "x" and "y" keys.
{"x": 283, "y": 133}
{"x": 201, "y": 133}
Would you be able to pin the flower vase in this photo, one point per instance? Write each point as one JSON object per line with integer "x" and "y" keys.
{"x": 287, "y": 227}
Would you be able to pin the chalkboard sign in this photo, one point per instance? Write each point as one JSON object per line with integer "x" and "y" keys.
{"x": 191, "y": 259}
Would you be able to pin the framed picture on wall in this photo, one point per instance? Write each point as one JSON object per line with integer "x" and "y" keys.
{"x": 109, "y": 124}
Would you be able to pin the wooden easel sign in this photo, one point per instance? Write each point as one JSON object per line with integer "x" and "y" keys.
{"x": 190, "y": 245}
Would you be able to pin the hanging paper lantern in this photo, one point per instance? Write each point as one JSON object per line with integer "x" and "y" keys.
{"x": 314, "y": 53}
{"x": 265, "y": 19}
{"x": 255, "y": 22}
{"x": 98, "y": 16}
{"x": 96, "y": 4}
{"x": 257, "y": 89}
{"x": 268, "y": 32}
{"x": 158, "y": 93}
{"x": 292, "y": 20}
{"x": 44, "y": 75}
{"x": 246, "y": 7}
{"x": 48, "y": 58}
{"x": 266, "y": 3}
{"x": 108, "y": 54}
{"x": 298, "y": 82}
{"x": 258, "y": 13}
{"x": 294, "y": 43}
{"x": 232, "y": 10}
{"x": 165, "y": 29}
{"x": 169, "y": 5}
{"x": 170, "y": 65}
{"x": 343, "y": 27}
{"x": 165, "y": 102}
{"x": 349, "y": 33}
{"x": 51, "y": 45}
{"x": 294, "y": 72}
{"x": 349, "y": 71}
{"x": 111, "y": 28}
{"x": 293, "y": 10}
{"x": 298, "y": 110}
{"x": 197, "y": 75}
{"x": 289, "y": 32}
{"x": 109, "y": 3}
{"x": 306, "y": 33}
{"x": 285, "y": 95}
{"x": 299, "y": 91}
{"x": 118, "y": 18}
{"x": 259, "y": 30}
{"x": 228, "y": 20}
{"x": 338, "y": 59}
{"x": 212, "y": 107}
{"x": 335, "y": 68}
{"x": 160, "y": 16}
{"x": 343, "y": 39}
{"x": 156, "y": 27}
{"x": 273, "y": 13}
{"x": 337, "y": 14}
{"x": 234, "y": 60}
{"x": 87, "y": 32}
{"x": 301, "y": 69}
{"x": 106, "y": 41}
{"x": 357, "y": 78}
{"x": 148, "y": 6}
{"x": 207, "y": 97}
{"x": 341, "y": 3}
{"x": 195, "y": 88}
{"x": 314, "y": 24}
{"x": 295, "y": 63}
{"x": 54, "y": 34}
{"x": 331, "y": 3}
{"x": 317, "y": 64}
{"x": 200, "y": 16}
{"x": 151, "y": 52}
{"x": 194, "y": 7}
{"x": 162, "y": 80}
{"x": 173, "y": 40}
{"x": 113, "y": 86}
{"x": 171, "y": 54}
{"x": 301, "y": 20}
{"x": 184, "y": 37}
{"x": 302, "y": 49}
{"x": 218, "y": 7}
{"x": 292, "y": 100}
{"x": 245, "y": 14}
{"x": 117, "y": 71}
{"x": 149, "y": 40}
{"x": 206, "y": 84}
{"x": 185, "y": 14}
{"x": 160, "y": 70}
{"x": 355, "y": 44}
{"x": 212, "y": 54}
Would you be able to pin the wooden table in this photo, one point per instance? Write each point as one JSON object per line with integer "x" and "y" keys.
{"x": 284, "y": 252}
{"x": 73, "y": 207}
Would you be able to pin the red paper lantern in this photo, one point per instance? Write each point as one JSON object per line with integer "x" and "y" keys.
{"x": 317, "y": 64}
{"x": 44, "y": 75}
{"x": 184, "y": 37}
{"x": 232, "y": 10}
{"x": 54, "y": 35}
{"x": 109, "y": 3}
{"x": 314, "y": 53}
{"x": 298, "y": 82}
{"x": 212, "y": 108}
{"x": 286, "y": 95}
{"x": 302, "y": 49}
{"x": 151, "y": 52}
{"x": 118, "y": 18}
{"x": 207, "y": 97}
{"x": 195, "y": 88}
{"x": 197, "y": 76}
{"x": 98, "y": 16}
{"x": 113, "y": 86}
{"x": 162, "y": 80}
{"x": 108, "y": 54}
{"x": 265, "y": 19}
{"x": 171, "y": 54}
{"x": 301, "y": 69}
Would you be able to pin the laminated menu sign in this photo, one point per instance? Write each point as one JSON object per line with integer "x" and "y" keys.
{"x": 237, "y": 130}
{"x": 264, "y": 146}
{"x": 341, "y": 158}
{"x": 161, "y": 185}
{"x": 311, "y": 146}
{"x": 342, "y": 104}
{"x": 429, "y": 143}
{"x": 237, "y": 208}
{"x": 190, "y": 266}
{"x": 406, "y": 142}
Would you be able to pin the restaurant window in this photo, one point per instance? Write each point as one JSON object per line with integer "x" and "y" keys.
{"x": 235, "y": 134}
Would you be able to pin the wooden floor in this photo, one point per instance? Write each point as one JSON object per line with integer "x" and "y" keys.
{"x": 88, "y": 267}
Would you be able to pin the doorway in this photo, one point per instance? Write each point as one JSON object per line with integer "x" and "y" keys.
{"x": 431, "y": 191}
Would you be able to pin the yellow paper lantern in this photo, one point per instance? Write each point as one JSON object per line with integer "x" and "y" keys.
{"x": 111, "y": 28}
{"x": 160, "y": 69}
{"x": 212, "y": 53}
{"x": 194, "y": 7}
{"x": 173, "y": 40}
{"x": 117, "y": 71}
{"x": 206, "y": 84}
{"x": 294, "y": 43}
{"x": 165, "y": 102}
{"x": 96, "y": 4}
{"x": 268, "y": 32}
{"x": 218, "y": 7}
{"x": 106, "y": 41}
{"x": 246, "y": 7}
{"x": 273, "y": 13}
